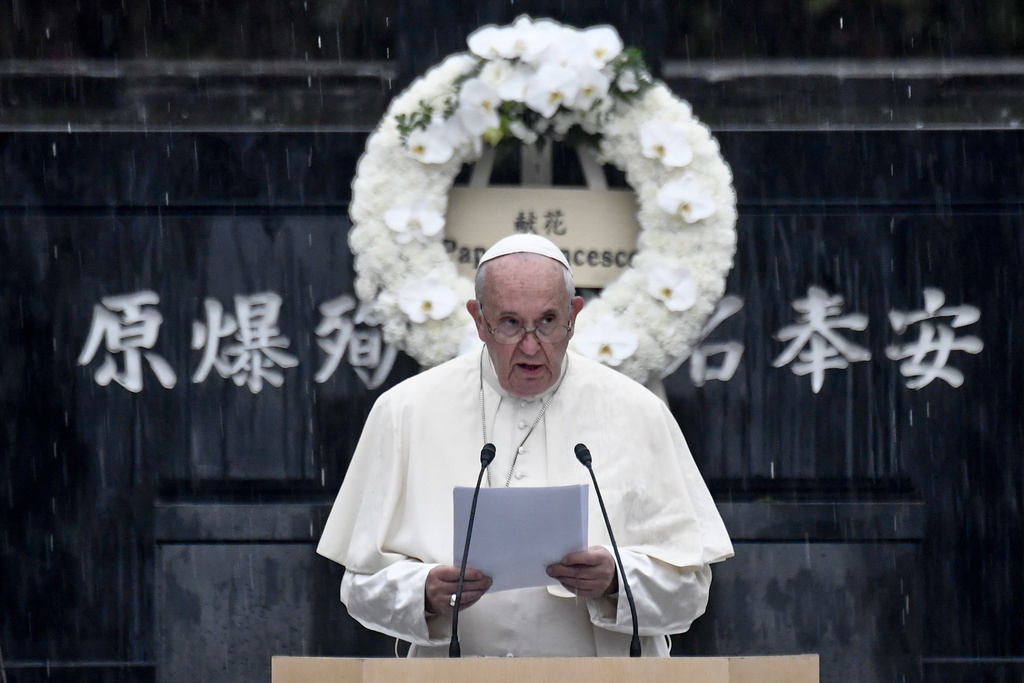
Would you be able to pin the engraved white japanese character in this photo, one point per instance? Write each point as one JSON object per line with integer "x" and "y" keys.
{"x": 125, "y": 325}
{"x": 930, "y": 353}
{"x": 732, "y": 351}
{"x": 815, "y": 341}
{"x": 257, "y": 353}
{"x": 359, "y": 335}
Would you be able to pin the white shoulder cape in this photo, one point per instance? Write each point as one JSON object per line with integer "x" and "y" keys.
{"x": 423, "y": 437}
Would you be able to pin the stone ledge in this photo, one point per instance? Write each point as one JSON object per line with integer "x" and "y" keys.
{"x": 239, "y": 522}
{"x": 204, "y": 95}
{"x": 824, "y": 522}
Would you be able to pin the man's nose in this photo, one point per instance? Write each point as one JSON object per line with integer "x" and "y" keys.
{"x": 530, "y": 343}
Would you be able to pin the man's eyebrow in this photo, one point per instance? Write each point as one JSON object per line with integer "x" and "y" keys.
{"x": 543, "y": 314}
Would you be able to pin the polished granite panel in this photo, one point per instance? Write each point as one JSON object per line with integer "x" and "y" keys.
{"x": 114, "y": 497}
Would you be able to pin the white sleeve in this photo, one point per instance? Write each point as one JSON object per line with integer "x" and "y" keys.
{"x": 668, "y": 598}
{"x": 391, "y": 602}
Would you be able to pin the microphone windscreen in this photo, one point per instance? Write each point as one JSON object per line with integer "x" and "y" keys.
{"x": 583, "y": 455}
{"x": 487, "y": 454}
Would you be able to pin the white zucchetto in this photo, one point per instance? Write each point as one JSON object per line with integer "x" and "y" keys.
{"x": 525, "y": 244}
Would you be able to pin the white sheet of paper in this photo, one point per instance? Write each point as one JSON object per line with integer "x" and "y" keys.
{"x": 518, "y": 532}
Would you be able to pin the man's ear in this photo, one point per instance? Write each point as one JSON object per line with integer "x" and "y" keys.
{"x": 576, "y": 307}
{"x": 473, "y": 306}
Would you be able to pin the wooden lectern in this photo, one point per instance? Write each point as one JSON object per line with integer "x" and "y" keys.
{"x": 787, "y": 669}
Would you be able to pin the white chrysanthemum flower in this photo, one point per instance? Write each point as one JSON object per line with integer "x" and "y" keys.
{"x": 416, "y": 220}
{"x": 552, "y": 87}
{"x": 666, "y": 142}
{"x": 379, "y": 254}
{"x": 430, "y": 145}
{"x": 427, "y": 298}
{"x": 602, "y": 45}
{"x": 673, "y": 286}
{"x": 478, "y": 107}
{"x": 607, "y": 342}
{"x": 686, "y": 198}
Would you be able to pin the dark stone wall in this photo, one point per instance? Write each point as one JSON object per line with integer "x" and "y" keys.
{"x": 169, "y": 533}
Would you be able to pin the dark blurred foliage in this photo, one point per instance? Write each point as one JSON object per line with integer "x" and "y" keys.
{"x": 860, "y": 29}
{"x": 361, "y": 29}
{"x": 196, "y": 29}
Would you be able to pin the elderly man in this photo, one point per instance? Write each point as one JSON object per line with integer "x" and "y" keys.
{"x": 391, "y": 526}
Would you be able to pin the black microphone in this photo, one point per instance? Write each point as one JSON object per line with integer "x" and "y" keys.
{"x": 583, "y": 455}
{"x": 486, "y": 456}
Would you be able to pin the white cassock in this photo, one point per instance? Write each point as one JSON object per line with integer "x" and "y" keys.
{"x": 392, "y": 520}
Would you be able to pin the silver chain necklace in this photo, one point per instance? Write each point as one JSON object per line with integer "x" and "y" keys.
{"x": 540, "y": 416}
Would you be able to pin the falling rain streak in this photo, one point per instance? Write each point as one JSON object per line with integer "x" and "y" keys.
{"x": 167, "y": 533}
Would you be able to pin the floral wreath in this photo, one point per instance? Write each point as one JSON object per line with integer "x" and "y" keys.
{"x": 526, "y": 83}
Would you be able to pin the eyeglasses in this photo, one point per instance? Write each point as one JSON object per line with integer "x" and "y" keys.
{"x": 511, "y": 331}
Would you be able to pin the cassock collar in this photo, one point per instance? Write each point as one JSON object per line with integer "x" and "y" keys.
{"x": 491, "y": 378}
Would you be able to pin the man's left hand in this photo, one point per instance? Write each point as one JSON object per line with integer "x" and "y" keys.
{"x": 587, "y": 573}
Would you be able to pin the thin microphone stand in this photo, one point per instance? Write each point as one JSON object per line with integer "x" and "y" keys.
{"x": 486, "y": 456}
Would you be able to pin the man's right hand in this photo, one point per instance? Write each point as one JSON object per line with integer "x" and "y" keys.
{"x": 442, "y": 582}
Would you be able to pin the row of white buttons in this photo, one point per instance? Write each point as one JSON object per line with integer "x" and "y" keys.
{"x": 523, "y": 424}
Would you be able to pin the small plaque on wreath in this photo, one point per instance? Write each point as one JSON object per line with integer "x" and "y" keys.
{"x": 596, "y": 230}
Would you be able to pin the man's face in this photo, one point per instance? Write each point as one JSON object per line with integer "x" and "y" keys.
{"x": 529, "y": 288}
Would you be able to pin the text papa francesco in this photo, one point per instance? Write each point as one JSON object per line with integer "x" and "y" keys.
{"x": 594, "y": 258}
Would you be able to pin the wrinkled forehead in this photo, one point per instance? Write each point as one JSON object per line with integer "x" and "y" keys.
{"x": 530, "y": 281}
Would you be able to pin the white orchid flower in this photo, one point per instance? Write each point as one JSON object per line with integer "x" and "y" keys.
{"x": 478, "y": 107}
{"x": 551, "y": 88}
{"x": 672, "y": 286}
{"x": 607, "y": 342}
{"x": 530, "y": 40}
{"x": 488, "y": 42}
{"x": 525, "y": 39}
{"x": 416, "y": 220}
{"x": 591, "y": 121}
{"x": 562, "y": 122}
{"x": 431, "y": 145}
{"x": 602, "y": 45}
{"x": 665, "y": 142}
{"x": 523, "y": 132}
{"x": 627, "y": 81}
{"x": 594, "y": 87}
{"x": 460, "y": 138}
{"x": 568, "y": 50}
{"x": 686, "y": 198}
{"x": 508, "y": 79}
{"x": 427, "y": 297}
